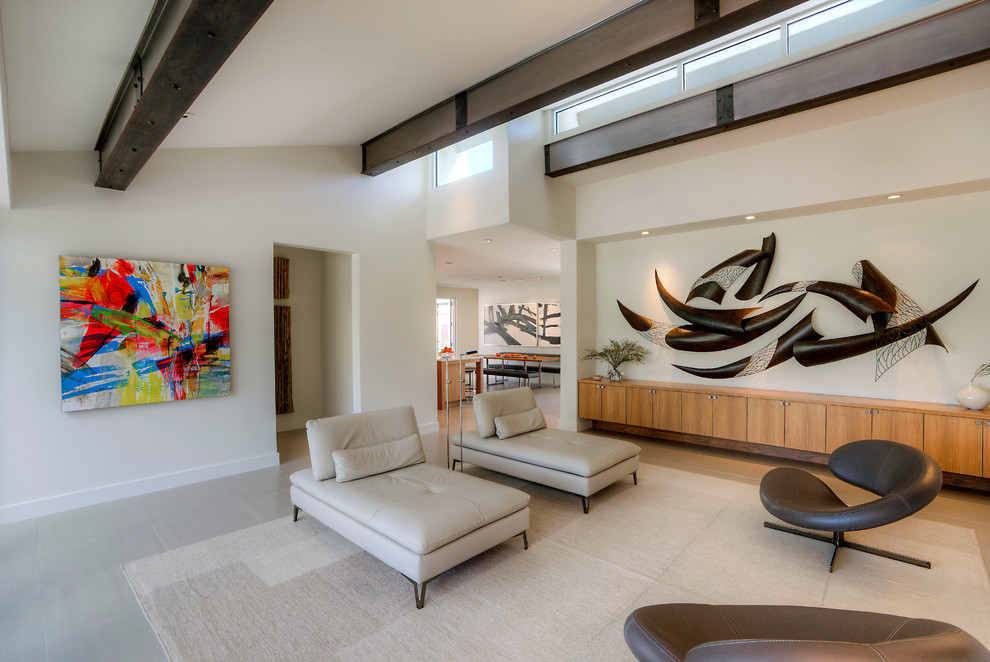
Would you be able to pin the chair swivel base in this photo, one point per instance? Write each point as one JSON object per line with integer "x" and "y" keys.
{"x": 838, "y": 539}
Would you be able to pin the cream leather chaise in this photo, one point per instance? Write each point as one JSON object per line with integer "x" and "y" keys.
{"x": 370, "y": 482}
{"x": 513, "y": 438}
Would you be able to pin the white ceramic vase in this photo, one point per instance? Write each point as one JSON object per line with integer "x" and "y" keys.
{"x": 973, "y": 397}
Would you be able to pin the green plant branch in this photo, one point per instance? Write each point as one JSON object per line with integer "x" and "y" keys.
{"x": 617, "y": 352}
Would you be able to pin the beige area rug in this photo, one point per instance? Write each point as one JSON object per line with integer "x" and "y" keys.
{"x": 297, "y": 591}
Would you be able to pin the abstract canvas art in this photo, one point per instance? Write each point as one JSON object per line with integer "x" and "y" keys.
{"x": 510, "y": 324}
{"x": 548, "y": 315}
{"x": 136, "y": 332}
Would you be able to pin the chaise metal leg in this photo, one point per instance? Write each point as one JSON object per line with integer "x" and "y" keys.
{"x": 453, "y": 464}
{"x": 295, "y": 513}
{"x": 525, "y": 540}
{"x": 838, "y": 539}
{"x": 586, "y": 502}
{"x": 635, "y": 482}
{"x": 419, "y": 590}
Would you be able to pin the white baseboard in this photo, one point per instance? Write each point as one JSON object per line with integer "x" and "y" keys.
{"x": 429, "y": 427}
{"x": 62, "y": 502}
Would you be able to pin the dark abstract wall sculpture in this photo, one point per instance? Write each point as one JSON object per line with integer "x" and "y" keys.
{"x": 899, "y": 325}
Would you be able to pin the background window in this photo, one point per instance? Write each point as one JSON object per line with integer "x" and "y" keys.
{"x": 445, "y": 324}
{"x": 469, "y": 157}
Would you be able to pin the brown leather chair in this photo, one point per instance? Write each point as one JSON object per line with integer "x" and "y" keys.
{"x": 905, "y": 478}
{"x": 747, "y": 633}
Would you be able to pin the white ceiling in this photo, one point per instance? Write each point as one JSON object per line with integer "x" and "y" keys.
{"x": 311, "y": 72}
{"x": 514, "y": 254}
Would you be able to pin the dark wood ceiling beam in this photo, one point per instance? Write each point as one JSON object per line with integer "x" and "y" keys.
{"x": 194, "y": 38}
{"x": 953, "y": 39}
{"x": 642, "y": 35}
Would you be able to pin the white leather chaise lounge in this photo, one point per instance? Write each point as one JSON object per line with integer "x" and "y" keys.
{"x": 371, "y": 484}
{"x": 513, "y": 438}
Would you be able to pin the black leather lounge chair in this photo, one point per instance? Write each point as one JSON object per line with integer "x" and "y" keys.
{"x": 747, "y": 633}
{"x": 905, "y": 478}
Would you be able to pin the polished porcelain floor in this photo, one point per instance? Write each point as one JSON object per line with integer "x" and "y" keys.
{"x": 63, "y": 595}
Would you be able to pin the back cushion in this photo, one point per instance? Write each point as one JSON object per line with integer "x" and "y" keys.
{"x": 489, "y": 405}
{"x": 354, "y": 463}
{"x": 327, "y": 435}
{"x": 514, "y": 425}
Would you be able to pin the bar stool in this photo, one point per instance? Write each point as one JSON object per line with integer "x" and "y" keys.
{"x": 469, "y": 377}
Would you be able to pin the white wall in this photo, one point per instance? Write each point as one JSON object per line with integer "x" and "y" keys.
{"x": 541, "y": 203}
{"x": 466, "y": 316}
{"x": 514, "y": 191}
{"x": 479, "y": 201}
{"x": 341, "y": 334}
{"x": 305, "y": 301}
{"x": 529, "y": 291}
{"x": 929, "y": 133}
{"x": 223, "y": 207}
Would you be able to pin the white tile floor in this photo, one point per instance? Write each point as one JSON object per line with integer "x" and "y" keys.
{"x": 64, "y": 597}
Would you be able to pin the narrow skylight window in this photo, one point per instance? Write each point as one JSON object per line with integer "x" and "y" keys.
{"x": 817, "y": 23}
{"x": 465, "y": 159}
{"x": 732, "y": 59}
{"x": 627, "y": 97}
{"x": 846, "y": 18}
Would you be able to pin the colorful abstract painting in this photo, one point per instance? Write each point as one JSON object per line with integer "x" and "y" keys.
{"x": 136, "y": 332}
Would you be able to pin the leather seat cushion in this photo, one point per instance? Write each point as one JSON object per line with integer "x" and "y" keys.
{"x": 803, "y": 499}
{"x": 421, "y": 507}
{"x": 570, "y": 452}
{"x": 675, "y": 632}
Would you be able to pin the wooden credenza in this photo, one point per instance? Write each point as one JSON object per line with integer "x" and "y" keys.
{"x": 804, "y": 426}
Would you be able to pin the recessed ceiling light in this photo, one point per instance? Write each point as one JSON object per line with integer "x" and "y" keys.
{"x": 645, "y": 232}
{"x": 554, "y": 249}
{"x": 750, "y": 218}
{"x": 519, "y": 279}
{"x": 539, "y": 278}
{"x": 488, "y": 241}
{"x": 893, "y": 196}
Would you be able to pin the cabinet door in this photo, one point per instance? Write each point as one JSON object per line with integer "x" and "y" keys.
{"x": 639, "y": 407}
{"x": 955, "y": 442}
{"x": 613, "y": 403}
{"x": 845, "y": 424}
{"x": 907, "y": 427}
{"x": 696, "y": 413}
{"x": 590, "y": 401}
{"x": 804, "y": 426}
{"x": 729, "y": 417}
{"x": 667, "y": 410}
{"x": 766, "y": 422}
{"x": 986, "y": 449}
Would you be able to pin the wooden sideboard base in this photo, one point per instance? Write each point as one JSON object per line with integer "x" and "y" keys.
{"x": 960, "y": 481}
{"x": 730, "y": 444}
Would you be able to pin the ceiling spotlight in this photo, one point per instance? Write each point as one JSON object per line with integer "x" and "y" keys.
{"x": 893, "y": 196}
{"x": 645, "y": 232}
{"x": 519, "y": 279}
{"x": 539, "y": 278}
{"x": 488, "y": 241}
{"x": 554, "y": 249}
{"x": 750, "y": 218}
